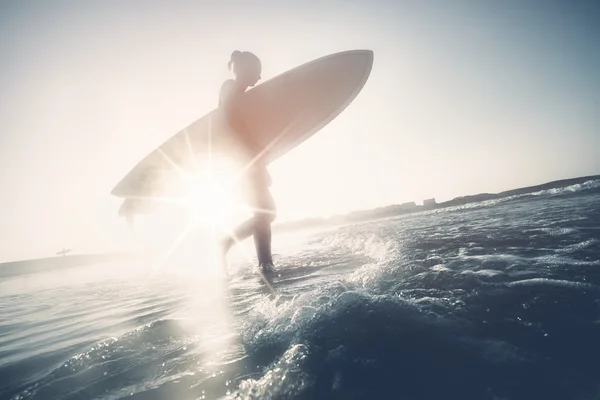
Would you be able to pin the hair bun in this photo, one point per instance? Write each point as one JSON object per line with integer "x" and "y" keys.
{"x": 235, "y": 58}
{"x": 236, "y": 55}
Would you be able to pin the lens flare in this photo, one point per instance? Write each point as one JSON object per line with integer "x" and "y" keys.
{"x": 212, "y": 195}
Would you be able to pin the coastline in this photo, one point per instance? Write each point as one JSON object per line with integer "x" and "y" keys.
{"x": 401, "y": 209}
{"x": 24, "y": 267}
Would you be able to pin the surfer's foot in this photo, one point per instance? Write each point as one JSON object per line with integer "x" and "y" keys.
{"x": 267, "y": 269}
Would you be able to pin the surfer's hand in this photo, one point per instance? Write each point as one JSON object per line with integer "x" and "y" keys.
{"x": 251, "y": 155}
{"x": 251, "y": 146}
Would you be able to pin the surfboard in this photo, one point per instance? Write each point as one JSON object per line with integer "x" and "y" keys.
{"x": 279, "y": 114}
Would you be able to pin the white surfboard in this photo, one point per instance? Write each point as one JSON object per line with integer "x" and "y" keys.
{"x": 279, "y": 114}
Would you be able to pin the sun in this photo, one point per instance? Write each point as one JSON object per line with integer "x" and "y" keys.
{"x": 210, "y": 201}
{"x": 211, "y": 192}
{"x": 212, "y": 195}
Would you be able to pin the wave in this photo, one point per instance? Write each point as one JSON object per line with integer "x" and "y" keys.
{"x": 321, "y": 349}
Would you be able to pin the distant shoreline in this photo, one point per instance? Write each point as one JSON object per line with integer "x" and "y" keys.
{"x": 24, "y": 267}
{"x": 402, "y": 209}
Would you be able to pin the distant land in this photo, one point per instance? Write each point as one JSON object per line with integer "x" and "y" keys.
{"x": 25, "y": 267}
{"x": 430, "y": 204}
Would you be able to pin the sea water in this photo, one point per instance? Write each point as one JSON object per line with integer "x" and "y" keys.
{"x": 490, "y": 300}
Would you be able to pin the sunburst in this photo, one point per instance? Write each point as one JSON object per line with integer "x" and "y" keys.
{"x": 210, "y": 192}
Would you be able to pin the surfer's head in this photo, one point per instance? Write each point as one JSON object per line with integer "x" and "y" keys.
{"x": 246, "y": 67}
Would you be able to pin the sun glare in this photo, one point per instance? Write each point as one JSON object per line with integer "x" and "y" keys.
{"x": 210, "y": 201}
{"x": 212, "y": 195}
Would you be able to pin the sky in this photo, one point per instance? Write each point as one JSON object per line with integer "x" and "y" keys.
{"x": 464, "y": 97}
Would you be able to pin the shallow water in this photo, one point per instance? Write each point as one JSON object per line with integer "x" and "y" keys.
{"x": 492, "y": 300}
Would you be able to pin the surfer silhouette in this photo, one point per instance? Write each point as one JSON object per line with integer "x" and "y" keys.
{"x": 256, "y": 181}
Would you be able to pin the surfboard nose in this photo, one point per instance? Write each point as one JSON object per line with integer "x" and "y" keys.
{"x": 363, "y": 61}
{"x": 363, "y": 56}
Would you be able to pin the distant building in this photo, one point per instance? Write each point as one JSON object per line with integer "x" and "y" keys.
{"x": 429, "y": 202}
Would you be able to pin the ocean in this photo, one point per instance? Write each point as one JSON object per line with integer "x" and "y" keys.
{"x": 492, "y": 300}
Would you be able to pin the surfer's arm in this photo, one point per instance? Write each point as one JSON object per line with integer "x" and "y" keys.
{"x": 227, "y": 101}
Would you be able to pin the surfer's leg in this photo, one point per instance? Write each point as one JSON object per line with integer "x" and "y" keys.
{"x": 259, "y": 225}
{"x": 242, "y": 232}
{"x": 264, "y": 214}
{"x": 262, "y": 241}
{"x": 259, "y": 198}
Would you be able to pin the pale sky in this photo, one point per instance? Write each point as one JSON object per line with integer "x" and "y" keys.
{"x": 464, "y": 97}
